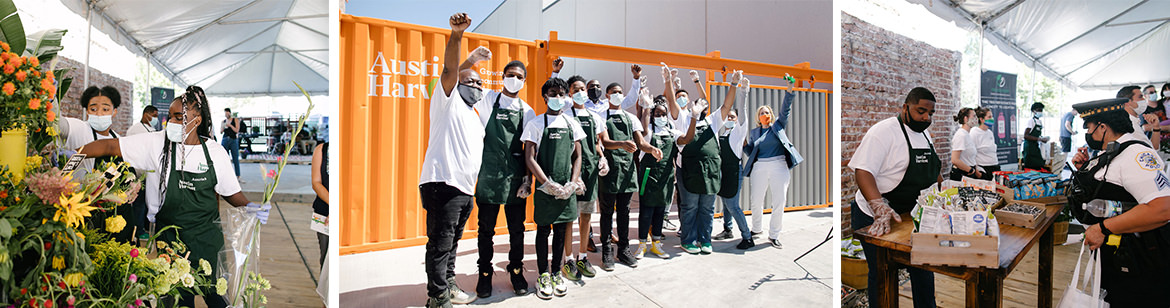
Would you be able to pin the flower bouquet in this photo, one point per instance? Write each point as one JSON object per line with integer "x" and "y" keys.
{"x": 242, "y": 235}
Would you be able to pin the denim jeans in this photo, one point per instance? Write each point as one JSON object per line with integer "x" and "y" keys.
{"x": 488, "y": 214}
{"x": 447, "y": 211}
{"x": 732, "y": 211}
{"x": 697, "y": 213}
{"x": 921, "y": 281}
{"x": 232, "y": 145}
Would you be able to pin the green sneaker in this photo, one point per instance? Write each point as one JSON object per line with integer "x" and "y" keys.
{"x": 544, "y": 286}
{"x": 705, "y": 248}
{"x": 691, "y": 249}
{"x": 570, "y": 272}
{"x": 585, "y": 268}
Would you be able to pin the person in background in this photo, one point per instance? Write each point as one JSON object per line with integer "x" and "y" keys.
{"x": 1153, "y": 116}
{"x": 231, "y": 138}
{"x": 101, "y": 107}
{"x": 769, "y": 164}
{"x": 732, "y": 137}
{"x": 963, "y": 151}
{"x": 552, "y": 153}
{"x": 1032, "y": 139}
{"x": 890, "y": 172}
{"x": 1067, "y": 130}
{"x": 320, "y": 179}
{"x": 451, "y": 164}
{"x": 1136, "y": 107}
{"x": 985, "y": 148}
{"x": 147, "y": 124}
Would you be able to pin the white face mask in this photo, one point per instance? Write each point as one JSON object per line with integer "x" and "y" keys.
{"x": 175, "y": 132}
{"x": 557, "y": 103}
{"x": 100, "y": 123}
{"x": 682, "y": 101}
{"x": 580, "y": 97}
{"x": 616, "y": 99}
{"x": 1040, "y": 114}
{"x": 1141, "y": 106}
{"x": 728, "y": 124}
{"x": 661, "y": 121}
{"x": 513, "y": 84}
{"x": 154, "y": 121}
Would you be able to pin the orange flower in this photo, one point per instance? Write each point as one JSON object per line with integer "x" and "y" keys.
{"x": 34, "y": 103}
{"x": 3, "y": 194}
{"x": 47, "y": 84}
{"x": 17, "y": 61}
{"x": 5, "y": 46}
{"x": 34, "y": 62}
{"x": 49, "y": 105}
{"x": 4, "y": 56}
{"x": 21, "y": 76}
{"x": 36, "y": 73}
{"x": 8, "y": 88}
{"x": 51, "y": 116}
{"x": 9, "y": 69}
{"x": 49, "y": 75}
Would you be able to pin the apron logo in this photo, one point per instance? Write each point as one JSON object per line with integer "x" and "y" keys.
{"x": 554, "y": 136}
{"x": 186, "y": 185}
{"x": 202, "y": 167}
{"x": 921, "y": 159}
{"x": 502, "y": 116}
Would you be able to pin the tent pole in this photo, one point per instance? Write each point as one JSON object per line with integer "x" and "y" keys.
{"x": 88, "y": 42}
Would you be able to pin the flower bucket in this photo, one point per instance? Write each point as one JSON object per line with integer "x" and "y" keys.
{"x": 13, "y": 148}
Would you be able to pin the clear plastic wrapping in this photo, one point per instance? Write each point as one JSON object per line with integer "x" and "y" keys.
{"x": 241, "y": 251}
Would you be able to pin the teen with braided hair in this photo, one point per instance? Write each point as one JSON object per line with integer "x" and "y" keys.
{"x": 187, "y": 174}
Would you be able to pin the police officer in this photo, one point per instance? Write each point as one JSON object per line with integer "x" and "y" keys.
{"x": 1123, "y": 194}
{"x": 890, "y": 171}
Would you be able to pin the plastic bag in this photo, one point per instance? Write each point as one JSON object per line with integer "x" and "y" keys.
{"x": 241, "y": 251}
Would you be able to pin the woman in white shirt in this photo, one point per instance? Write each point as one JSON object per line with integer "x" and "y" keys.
{"x": 985, "y": 148}
{"x": 962, "y": 149}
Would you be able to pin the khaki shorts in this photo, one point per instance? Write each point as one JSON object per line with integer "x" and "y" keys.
{"x": 586, "y": 207}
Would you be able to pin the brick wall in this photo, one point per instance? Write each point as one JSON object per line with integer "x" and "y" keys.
{"x": 71, "y": 104}
{"x": 880, "y": 67}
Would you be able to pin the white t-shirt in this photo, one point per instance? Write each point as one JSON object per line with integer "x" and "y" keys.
{"x": 1139, "y": 170}
{"x": 455, "y": 147}
{"x": 139, "y": 128}
{"x": 598, "y": 121}
{"x": 534, "y": 129}
{"x": 485, "y": 105}
{"x": 985, "y": 146}
{"x": 628, "y": 117}
{"x": 962, "y": 142}
{"x": 1030, "y": 124}
{"x": 144, "y": 152}
{"x": 735, "y": 136}
{"x": 78, "y": 133}
{"x": 1137, "y": 129}
{"x": 884, "y": 154}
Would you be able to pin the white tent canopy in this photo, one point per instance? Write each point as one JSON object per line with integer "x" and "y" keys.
{"x": 237, "y": 47}
{"x": 1091, "y": 44}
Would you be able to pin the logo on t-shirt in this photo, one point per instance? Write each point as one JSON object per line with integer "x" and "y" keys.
{"x": 1149, "y": 161}
{"x": 202, "y": 167}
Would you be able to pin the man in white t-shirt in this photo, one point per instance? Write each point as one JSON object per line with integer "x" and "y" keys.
{"x": 147, "y": 124}
{"x": 451, "y": 164}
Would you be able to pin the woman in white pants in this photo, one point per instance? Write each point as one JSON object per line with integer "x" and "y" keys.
{"x": 769, "y": 166}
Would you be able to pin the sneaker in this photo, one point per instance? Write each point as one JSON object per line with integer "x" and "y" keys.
{"x": 666, "y": 224}
{"x": 756, "y": 234}
{"x": 559, "y": 286}
{"x": 725, "y": 235}
{"x": 746, "y": 243}
{"x": 585, "y": 268}
{"x": 607, "y": 260}
{"x": 484, "y": 288}
{"x": 627, "y": 258}
{"x": 656, "y": 249}
{"x": 544, "y": 287}
{"x": 519, "y": 284}
{"x": 458, "y": 297}
{"x": 705, "y": 248}
{"x": 776, "y": 243}
{"x": 443, "y": 301}
{"x": 570, "y": 271}
{"x": 641, "y": 250}
{"x": 691, "y": 249}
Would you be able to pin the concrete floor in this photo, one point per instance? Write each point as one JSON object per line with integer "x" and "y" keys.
{"x": 761, "y": 276}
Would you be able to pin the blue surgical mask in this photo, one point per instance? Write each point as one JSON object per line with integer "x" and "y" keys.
{"x": 100, "y": 123}
{"x": 154, "y": 122}
{"x": 728, "y": 124}
{"x": 174, "y": 132}
{"x": 580, "y": 97}
{"x": 661, "y": 121}
{"x": 556, "y": 103}
{"x": 616, "y": 99}
{"x": 682, "y": 101}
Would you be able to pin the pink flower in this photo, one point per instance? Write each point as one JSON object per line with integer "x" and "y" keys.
{"x": 138, "y": 302}
{"x": 133, "y": 254}
{"x": 70, "y": 300}
{"x": 279, "y": 158}
{"x": 133, "y": 278}
{"x": 271, "y": 174}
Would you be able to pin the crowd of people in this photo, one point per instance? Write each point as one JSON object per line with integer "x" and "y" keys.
{"x": 594, "y": 149}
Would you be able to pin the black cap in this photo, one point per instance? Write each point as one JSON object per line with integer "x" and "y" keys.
{"x": 1112, "y": 107}
{"x": 1037, "y": 105}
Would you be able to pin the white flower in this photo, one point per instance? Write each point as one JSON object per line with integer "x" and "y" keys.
{"x": 205, "y": 266}
{"x": 188, "y": 281}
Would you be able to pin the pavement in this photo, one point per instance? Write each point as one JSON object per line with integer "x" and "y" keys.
{"x": 758, "y": 277}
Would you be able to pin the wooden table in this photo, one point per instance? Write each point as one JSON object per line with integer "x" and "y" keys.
{"x": 984, "y": 285}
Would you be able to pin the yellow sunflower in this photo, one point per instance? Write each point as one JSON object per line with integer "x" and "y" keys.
{"x": 72, "y": 211}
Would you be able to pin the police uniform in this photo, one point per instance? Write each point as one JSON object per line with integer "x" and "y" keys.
{"x": 1136, "y": 270}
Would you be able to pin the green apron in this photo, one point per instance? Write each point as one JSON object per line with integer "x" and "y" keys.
{"x": 701, "y": 163}
{"x": 589, "y": 156}
{"x": 555, "y": 157}
{"x": 922, "y": 170}
{"x": 503, "y": 157}
{"x": 1032, "y": 158}
{"x": 98, "y": 219}
{"x": 191, "y": 204}
{"x": 729, "y": 186}
{"x": 657, "y": 177}
{"x": 622, "y": 177}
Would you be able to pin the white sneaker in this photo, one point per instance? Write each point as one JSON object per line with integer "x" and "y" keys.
{"x": 559, "y": 286}
{"x": 641, "y": 250}
{"x": 544, "y": 286}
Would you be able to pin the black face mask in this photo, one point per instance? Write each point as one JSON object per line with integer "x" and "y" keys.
{"x": 1095, "y": 145}
{"x": 469, "y": 94}
{"x": 916, "y": 126}
{"x": 594, "y": 94}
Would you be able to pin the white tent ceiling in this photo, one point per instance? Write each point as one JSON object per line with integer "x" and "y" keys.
{"x": 1092, "y": 44}
{"x": 236, "y": 47}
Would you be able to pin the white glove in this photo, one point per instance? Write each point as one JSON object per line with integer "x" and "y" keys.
{"x": 602, "y": 166}
{"x": 567, "y": 191}
{"x": 261, "y": 210}
{"x": 736, "y": 76}
{"x": 580, "y": 187}
{"x": 882, "y": 213}
{"x": 552, "y": 188}
{"x": 694, "y": 76}
{"x": 677, "y": 82}
{"x": 665, "y": 72}
{"x": 644, "y": 98}
{"x": 479, "y": 54}
{"x": 745, "y": 85}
